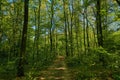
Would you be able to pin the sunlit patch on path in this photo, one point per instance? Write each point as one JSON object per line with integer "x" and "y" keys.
{"x": 57, "y": 71}
{"x": 60, "y": 68}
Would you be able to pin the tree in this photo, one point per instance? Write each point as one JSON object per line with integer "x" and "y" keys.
{"x": 20, "y": 67}
{"x": 71, "y": 10}
{"x": 51, "y": 25}
{"x": 98, "y": 23}
{"x": 65, "y": 29}
{"x": 38, "y": 31}
{"x": 0, "y": 21}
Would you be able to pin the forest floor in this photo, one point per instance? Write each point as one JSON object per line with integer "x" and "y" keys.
{"x": 57, "y": 71}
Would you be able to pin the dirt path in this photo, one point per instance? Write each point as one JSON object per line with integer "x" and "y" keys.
{"x": 57, "y": 71}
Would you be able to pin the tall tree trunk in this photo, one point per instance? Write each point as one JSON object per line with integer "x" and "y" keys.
{"x": 0, "y": 24}
{"x": 51, "y": 37}
{"x": 98, "y": 24}
{"x": 84, "y": 31}
{"x": 87, "y": 30}
{"x": 71, "y": 26}
{"x": 20, "y": 67}
{"x": 38, "y": 31}
{"x": 65, "y": 29}
{"x": 0, "y": 13}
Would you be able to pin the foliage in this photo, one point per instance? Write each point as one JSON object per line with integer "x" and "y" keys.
{"x": 112, "y": 42}
{"x": 116, "y": 75}
{"x": 73, "y": 61}
{"x": 92, "y": 63}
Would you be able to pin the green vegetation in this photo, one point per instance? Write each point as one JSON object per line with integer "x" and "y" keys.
{"x": 82, "y": 35}
{"x": 96, "y": 64}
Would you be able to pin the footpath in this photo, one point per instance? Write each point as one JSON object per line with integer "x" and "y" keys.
{"x": 57, "y": 71}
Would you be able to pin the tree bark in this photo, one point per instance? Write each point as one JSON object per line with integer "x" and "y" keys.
{"x": 71, "y": 27}
{"x": 1, "y": 25}
{"x": 98, "y": 24}
{"x": 0, "y": 21}
{"x": 51, "y": 37}
{"x": 20, "y": 67}
{"x": 38, "y": 31}
{"x": 87, "y": 30}
{"x": 65, "y": 29}
{"x": 84, "y": 32}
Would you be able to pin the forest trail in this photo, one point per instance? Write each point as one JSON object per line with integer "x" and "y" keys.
{"x": 57, "y": 71}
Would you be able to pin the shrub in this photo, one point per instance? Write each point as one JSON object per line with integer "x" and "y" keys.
{"x": 116, "y": 75}
{"x": 73, "y": 61}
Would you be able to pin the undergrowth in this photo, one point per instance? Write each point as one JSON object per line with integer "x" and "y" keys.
{"x": 96, "y": 64}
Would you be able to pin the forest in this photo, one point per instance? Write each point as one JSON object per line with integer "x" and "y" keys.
{"x": 59, "y": 39}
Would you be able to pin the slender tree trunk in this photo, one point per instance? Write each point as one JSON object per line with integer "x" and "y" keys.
{"x": 87, "y": 30}
{"x": 84, "y": 31}
{"x": 0, "y": 14}
{"x": 68, "y": 29}
{"x": 0, "y": 24}
{"x": 51, "y": 37}
{"x": 98, "y": 24}
{"x": 20, "y": 67}
{"x": 65, "y": 28}
{"x": 0, "y": 10}
{"x": 71, "y": 27}
{"x": 38, "y": 31}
